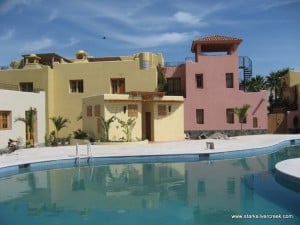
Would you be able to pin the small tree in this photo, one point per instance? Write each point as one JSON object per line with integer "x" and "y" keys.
{"x": 59, "y": 123}
{"x": 128, "y": 127}
{"x": 106, "y": 126}
{"x": 242, "y": 114}
{"x": 29, "y": 121}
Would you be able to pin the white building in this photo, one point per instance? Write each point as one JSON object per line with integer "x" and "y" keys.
{"x": 14, "y": 104}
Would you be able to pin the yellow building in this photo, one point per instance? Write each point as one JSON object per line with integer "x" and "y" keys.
{"x": 67, "y": 81}
{"x": 286, "y": 118}
{"x": 156, "y": 117}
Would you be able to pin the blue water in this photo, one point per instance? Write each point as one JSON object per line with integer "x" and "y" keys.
{"x": 179, "y": 193}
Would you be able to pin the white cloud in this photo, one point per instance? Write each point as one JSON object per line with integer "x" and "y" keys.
{"x": 186, "y": 18}
{"x": 156, "y": 39}
{"x": 37, "y": 45}
{"x": 8, "y": 35}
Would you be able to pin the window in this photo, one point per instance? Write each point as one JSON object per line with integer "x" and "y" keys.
{"x": 200, "y": 116}
{"x": 229, "y": 80}
{"x": 132, "y": 110}
{"x": 118, "y": 86}
{"x": 76, "y": 86}
{"x": 199, "y": 80}
{"x": 255, "y": 122}
{"x": 97, "y": 110}
{"x": 162, "y": 110}
{"x": 26, "y": 86}
{"x": 5, "y": 122}
{"x": 89, "y": 111}
{"x": 174, "y": 86}
{"x": 229, "y": 116}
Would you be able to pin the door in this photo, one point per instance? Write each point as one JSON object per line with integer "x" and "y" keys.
{"x": 148, "y": 126}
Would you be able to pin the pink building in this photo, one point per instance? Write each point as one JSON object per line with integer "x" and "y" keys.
{"x": 210, "y": 85}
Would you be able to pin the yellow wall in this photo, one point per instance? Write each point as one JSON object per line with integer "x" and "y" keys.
{"x": 96, "y": 77}
{"x": 163, "y": 128}
{"x": 112, "y": 105}
{"x": 171, "y": 126}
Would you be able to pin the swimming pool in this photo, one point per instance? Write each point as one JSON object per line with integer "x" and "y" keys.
{"x": 232, "y": 191}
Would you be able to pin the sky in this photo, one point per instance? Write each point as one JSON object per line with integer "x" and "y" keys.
{"x": 270, "y": 29}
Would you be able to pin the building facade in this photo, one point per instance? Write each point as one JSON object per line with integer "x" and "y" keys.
{"x": 67, "y": 81}
{"x": 14, "y": 104}
{"x": 156, "y": 117}
{"x": 286, "y": 117}
{"x": 210, "y": 85}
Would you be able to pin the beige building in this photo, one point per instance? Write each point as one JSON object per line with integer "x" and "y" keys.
{"x": 15, "y": 104}
{"x": 67, "y": 81}
{"x": 156, "y": 117}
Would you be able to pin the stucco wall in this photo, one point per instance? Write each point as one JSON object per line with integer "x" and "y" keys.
{"x": 18, "y": 102}
{"x": 171, "y": 126}
{"x": 97, "y": 80}
{"x": 111, "y": 105}
{"x": 214, "y": 98}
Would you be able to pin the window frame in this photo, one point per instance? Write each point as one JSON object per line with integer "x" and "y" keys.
{"x": 118, "y": 85}
{"x": 132, "y": 110}
{"x": 200, "y": 116}
{"x": 229, "y": 79}
{"x": 89, "y": 111}
{"x": 5, "y": 120}
{"x": 174, "y": 86}
{"x": 230, "y": 115}
{"x": 26, "y": 86}
{"x": 161, "y": 110}
{"x": 199, "y": 77}
{"x": 76, "y": 86}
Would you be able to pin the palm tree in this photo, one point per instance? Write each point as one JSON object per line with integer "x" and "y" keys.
{"x": 29, "y": 121}
{"x": 255, "y": 84}
{"x": 59, "y": 123}
{"x": 106, "y": 126}
{"x": 242, "y": 114}
{"x": 128, "y": 127}
{"x": 274, "y": 83}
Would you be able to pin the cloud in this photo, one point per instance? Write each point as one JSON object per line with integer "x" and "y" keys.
{"x": 9, "y": 5}
{"x": 155, "y": 40}
{"x": 37, "y": 45}
{"x": 278, "y": 3}
{"x": 186, "y": 18}
{"x": 8, "y": 35}
{"x": 53, "y": 15}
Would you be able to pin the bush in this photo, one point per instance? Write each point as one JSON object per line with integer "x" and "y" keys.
{"x": 79, "y": 134}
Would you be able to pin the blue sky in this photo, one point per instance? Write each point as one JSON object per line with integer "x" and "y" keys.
{"x": 270, "y": 29}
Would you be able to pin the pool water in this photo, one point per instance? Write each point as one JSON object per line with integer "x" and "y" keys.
{"x": 179, "y": 193}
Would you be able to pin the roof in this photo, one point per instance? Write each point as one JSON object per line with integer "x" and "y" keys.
{"x": 218, "y": 38}
{"x": 48, "y": 58}
{"x": 219, "y": 42}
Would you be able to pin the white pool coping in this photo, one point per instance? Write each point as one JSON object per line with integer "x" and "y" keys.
{"x": 239, "y": 143}
{"x": 290, "y": 167}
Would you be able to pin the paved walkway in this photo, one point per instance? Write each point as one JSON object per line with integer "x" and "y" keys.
{"x": 31, "y": 155}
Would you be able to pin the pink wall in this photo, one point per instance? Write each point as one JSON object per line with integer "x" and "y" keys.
{"x": 215, "y": 98}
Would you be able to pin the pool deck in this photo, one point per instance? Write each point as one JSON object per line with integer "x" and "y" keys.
{"x": 40, "y": 154}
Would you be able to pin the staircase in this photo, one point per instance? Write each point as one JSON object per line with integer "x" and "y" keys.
{"x": 245, "y": 63}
